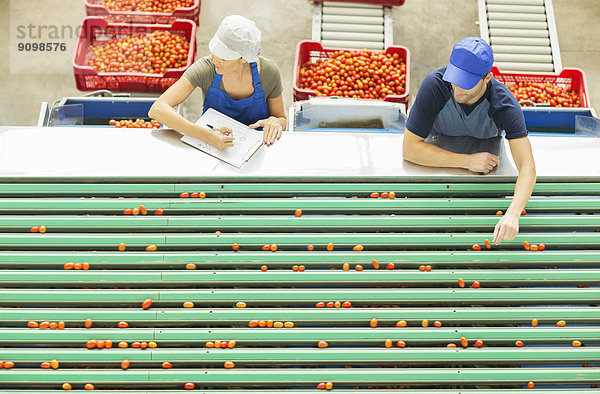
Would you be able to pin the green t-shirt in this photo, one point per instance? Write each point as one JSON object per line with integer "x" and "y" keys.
{"x": 202, "y": 73}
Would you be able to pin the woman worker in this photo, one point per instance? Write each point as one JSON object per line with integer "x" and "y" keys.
{"x": 235, "y": 81}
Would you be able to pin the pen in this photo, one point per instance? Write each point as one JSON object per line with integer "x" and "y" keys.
{"x": 210, "y": 126}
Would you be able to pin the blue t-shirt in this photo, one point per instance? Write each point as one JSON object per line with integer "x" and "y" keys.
{"x": 436, "y": 112}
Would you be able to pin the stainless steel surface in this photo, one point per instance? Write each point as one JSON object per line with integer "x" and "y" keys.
{"x": 107, "y": 153}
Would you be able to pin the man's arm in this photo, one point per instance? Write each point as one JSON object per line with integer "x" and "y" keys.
{"x": 508, "y": 227}
{"x": 416, "y": 150}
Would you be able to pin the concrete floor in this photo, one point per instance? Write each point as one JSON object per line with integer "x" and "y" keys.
{"x": 428, "y": 28}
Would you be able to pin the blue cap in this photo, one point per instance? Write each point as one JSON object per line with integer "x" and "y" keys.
{"x": 471, "y": 59}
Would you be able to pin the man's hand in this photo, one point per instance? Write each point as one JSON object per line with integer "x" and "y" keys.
{"x": 271, "y": 129}
{"x": 482, "y": 162}
{"x": 506, "y": 229}
{"x": 221, "y": 138}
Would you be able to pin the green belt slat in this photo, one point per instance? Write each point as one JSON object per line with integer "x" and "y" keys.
{"x": 291, "y": 189}
{"x": 289, "y": 205}
{"x": 253, "y": 240}
{"x": 244, "y": 278}
{"x": 288, "y": 391}
{"x": 341, "y": 376}
{"x": 285, "y": 258}
{"x": 306, "y": 356}
{"x": 277, "y": 336}
{"x": 291, "y": 223}
{"x": 413, "y": 316}
{"x": 353, "y": 391}
{"x": 303, "y": 296}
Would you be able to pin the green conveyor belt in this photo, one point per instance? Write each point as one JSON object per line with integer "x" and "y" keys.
{"x": 428, "y": 223}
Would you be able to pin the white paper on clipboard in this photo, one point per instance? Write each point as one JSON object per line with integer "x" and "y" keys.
{"x": 245, "y": 140}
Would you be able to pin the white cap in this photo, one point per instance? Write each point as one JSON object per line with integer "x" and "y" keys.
{"x": 236, "y": 37}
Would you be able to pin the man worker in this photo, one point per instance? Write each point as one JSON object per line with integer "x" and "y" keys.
{"x": 458, "y": 119}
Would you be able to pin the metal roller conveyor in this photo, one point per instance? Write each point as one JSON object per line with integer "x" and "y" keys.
{"x": 521, "y": 23}
{"x": 341, "y": 27}
{"x": 352, "y": 25}
{"x": 529, "y": 49}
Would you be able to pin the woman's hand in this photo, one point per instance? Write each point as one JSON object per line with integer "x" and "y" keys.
{"x": 221, "y": 138}
{"x": 271, "y": 129}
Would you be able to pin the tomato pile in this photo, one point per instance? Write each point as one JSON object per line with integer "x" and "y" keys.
{"x": 358, "y": 74}
{"x": 151, "y": 53}
{"x": 137, "y": 124}
{"x": 164, "y": 6}
{"x": 546, "y": 93}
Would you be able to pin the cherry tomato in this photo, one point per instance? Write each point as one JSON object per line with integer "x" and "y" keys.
{"x": 476, "y": 285}
{"x": 329, "y": 247}
{"x": 189, "y": 386}
{"x": 401, "y": 344}
{"x": 488, "y": 245}
{"x": 534, "y": 322}
{"x": 464, "y": 342}
{"x": 190, "y": 266}
{"x": 561, "y": 323}
{"x": 373, "y": 323}
{"x": 167, "y": 365}
{"x": 401, "y": 323}
{"x": 461, "y": 282}
{"x": 478, "y": 343}
{"x": 263, "y": 268}
{"x": 151, "y": 248}
{"x": 89, "y": 386}
{"x": 298, "y": 213}
{"x": 476, "y": 247}
{"x": 310, "y": 248}
{"x": 375, "y": 264}
{"x": 88, "y": 323}
{"x": 437, "y": 323}
{"x": 67, "y": 386}
{"x": 159, "y": 212}
{"x": 125, "y": 364}
{"x": 235, "y": 246}
{"x": 322, "y": 344}
{"x": 530, "y": 385}
{"x": 147, "y": 303}
{"x": 519, "y": 344}
{"x": 358, "y": 248}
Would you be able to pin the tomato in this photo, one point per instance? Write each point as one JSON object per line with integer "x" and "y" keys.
{"x": 476, "y": 285}
{"x": 167, "y": 365}
{"x": 392, "y": 195}
{"x": 89, "y": 386}
{"x": 388, "y": 343}
{"x": 390, "y": 266}
{"x": 122, "y": 247}
{"x": 373, "y": 323}
{"x": 374, "y": 195}
{"x": 32, "y": 324}
{"x": 188, "y": 304}
{"x": 288, "y": 324}
{"x": 67, "y": 386}
{"x": 358, "y": 267}
{"x": 541, "y": 247}
{"x": 329, "y": 247}
{"x": 476, "y": 247}
{"x": 330, "y": 304}
{"x": 263, "y": 268}
{"x": 320, "y": 304}
{"x": 401, "y": 344}
{"x": 194, "y": 195}
{"x": 69, "y": 266}
{"x": 437, "y": 323}
{"x": 519, "y": 344}
{"x": 135, "y": 211}
{"x": 273, "y": 247}
{"x": 202, "y": 195}
{"x": 530, "y": 385}
{"x": 231, "y": 344}
{"x": 147, "y": 303}
{"x": 561, "y": 323}
{"x": 127, "y": 211}
{"x": 358, "y": 74}
{"x": 337, "y": 304}
{"x": 346, "y": 304}
{"x": 310, "y": 248}
{"x": 464, "y": 342}
{"x": 184, "y": 195}
{"x": 534, "y": 322}
{"x": 461, "y": 282}
{"x": 526, "y": 245}
{"x": 478, "y": 343}
{"x": 88, "y": 323}
{"x": 34, "y": 229}
{"x": 235, "y": 246}
{"x": 42, "y": 229}
{"x": 546, "y": 93}
{"x": 151, "y": 248}
{"x": 425, "y": 323}
{"x": 123, "y": 345}
{"x": 488, "y": 245}
{"x": 189, "y": 386}
{"x": 125, "y": 364}
{"x": 451, "y": 345}
{"x": 44, "y": 325}
{"x": 278, "y": 324}
{"x": 143, "y": 210}
{"x": 422, "y": 268}
{"x": 159, "y": 212}
{"x": 190, "y": 266}
{"x": 576, "y": 343}
{"x": 328, "y": 385}
{"x": 301, "y": 268}
{"x": 427, "y": 268}
{"x": 533, "y": 247}
{"x": 321, "y": 386}
{"x": 358, "y": 248}
{"x": 45, "y": 365}
{"x": 375, "y": 264}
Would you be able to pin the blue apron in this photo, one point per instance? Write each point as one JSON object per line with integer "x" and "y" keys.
{"x": 247, "y": 110}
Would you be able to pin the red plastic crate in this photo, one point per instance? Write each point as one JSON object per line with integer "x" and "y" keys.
{"x": 313, "y": 51}
{"x": 390, "y": 3}
{"x": 96, "y": 29}
{"x": 96, "y": 8}
{"x": 573, "y": 78}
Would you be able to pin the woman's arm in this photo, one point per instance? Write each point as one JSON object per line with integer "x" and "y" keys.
{"x": 275, "y": 123}
{"x": 163, "y": 111}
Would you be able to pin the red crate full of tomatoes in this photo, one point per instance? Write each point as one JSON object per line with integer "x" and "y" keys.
{"x": 376, "y": 2}
{"x": 132, "y": 57}
{"x": 566, "y": 89}
{"x": 366, "y": 74}
{"x": 144, "y": 11}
